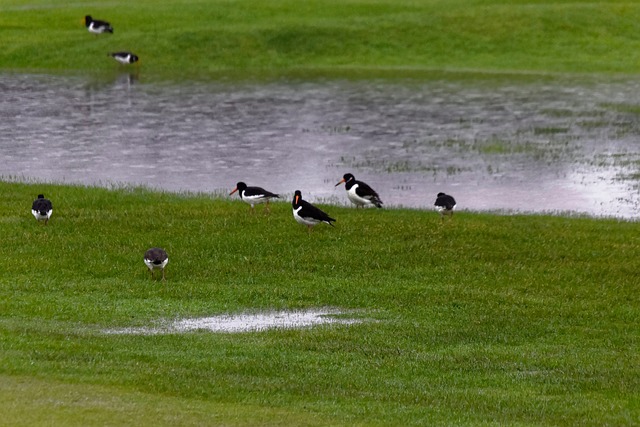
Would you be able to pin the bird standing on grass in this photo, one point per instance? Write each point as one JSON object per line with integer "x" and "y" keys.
{"x": 125, "y": 58}
{"x": 307, "y": 214}
{"x": 445, "y": 204}
{"x": 156, "y": 258}
{"x": 95, "y": 26}
{"x": 359, "y": 192}
{"x": 42, "y": 209}
{"x": 254, "y": 195}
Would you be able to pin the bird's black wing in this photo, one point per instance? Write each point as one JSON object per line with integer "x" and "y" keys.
{"x": 446, "y": 202}
{"x": 41, "y": 205}
{"x": 259, "y": 191}
{"x": 310, "y": 211}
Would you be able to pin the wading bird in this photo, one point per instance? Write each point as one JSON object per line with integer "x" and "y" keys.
{"x": 445, "y": 204}
{"x": 156, "y": 258}
{"x": 307, "y": 214}
{"x": 359, "y": 192}
{"x": 254, "y": 195}
{"x": 42, "y": 209}
{"x": 125, "y": 58}
{"x": 95, "y": 26}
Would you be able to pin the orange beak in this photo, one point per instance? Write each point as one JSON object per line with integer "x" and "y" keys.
{"x": 341, "y": 181}
{"x": 234, "y": 190}
{"x": 297, "y": 197}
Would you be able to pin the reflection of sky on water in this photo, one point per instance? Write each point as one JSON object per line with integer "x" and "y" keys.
{"x": 542, "y": 144}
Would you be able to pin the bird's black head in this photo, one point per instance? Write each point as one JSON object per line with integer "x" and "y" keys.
{"x": 87, "y": 20}
{"x": 40, "y": 196}
{"x": 241, "y": 186}
{"x": 441, "y": 194}
{"x": 134, "y": 58}
{"x": 297, "y": 197}
{"x": 346, "y": 178}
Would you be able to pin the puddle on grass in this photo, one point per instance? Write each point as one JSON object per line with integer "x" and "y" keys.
{"x": 528, "y": 144}
{"x": 245, "y": 322}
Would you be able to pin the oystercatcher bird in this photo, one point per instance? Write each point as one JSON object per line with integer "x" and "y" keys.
{"x": 156, "y": 258}
{"x": 42, "y": 209}
{"x": 307, "y": 214}
{"x": 359, "y": 192}
{"x": 97, "y": 27}
{"x": 125, "y": 58}
{"x": 445, "y": 204}
{"x": 254, "y": 195}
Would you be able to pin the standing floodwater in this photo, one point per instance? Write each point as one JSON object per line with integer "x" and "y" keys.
{"x": 524, "y": 144}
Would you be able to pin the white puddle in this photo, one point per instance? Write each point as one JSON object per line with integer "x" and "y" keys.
{"x": 245, "y": 322}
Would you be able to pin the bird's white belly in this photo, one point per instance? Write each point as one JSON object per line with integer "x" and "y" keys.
{"x": 122, "y": 59}
{"x": 151, "y": 265}
{"x": 304, "y": 221}
{"x": 254, "y": 200}
{"x": 95, "y": 30}
{"x": 39, "y": 217}
{"x": 351, "y": 194}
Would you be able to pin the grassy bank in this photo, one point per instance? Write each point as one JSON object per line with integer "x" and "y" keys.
{"x": 176, "y": 38}
{"x": 484, "y": 320}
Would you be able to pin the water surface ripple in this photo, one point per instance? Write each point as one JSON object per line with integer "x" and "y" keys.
{"x": 530, "y": 145}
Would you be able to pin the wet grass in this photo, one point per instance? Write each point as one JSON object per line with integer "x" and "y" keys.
{"x": 549, "y": 130}
{"x": 176, "y": 39}
{"x": 622, "y": 108}
{"x": 482, "y": 320}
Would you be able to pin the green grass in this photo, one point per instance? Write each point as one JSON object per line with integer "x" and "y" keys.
{"x": 482, "y": 320}
{"x": 177, "y": 39}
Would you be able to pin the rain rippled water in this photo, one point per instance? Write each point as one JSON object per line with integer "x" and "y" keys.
{"x": 526, "y": 144}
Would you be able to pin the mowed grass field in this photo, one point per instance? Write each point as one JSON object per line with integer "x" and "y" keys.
{"x": 481, "y": 320}
{"x": 178, "y": 39}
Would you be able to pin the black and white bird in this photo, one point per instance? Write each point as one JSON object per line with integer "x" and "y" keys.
{"x": 156, "y": 259}
{"x": 307, "y": 214}
{"x": 445, "y": 204}
{"x": 42, "y": 209}
{"x": 359, "y": 192}
{"x": 95, "y": 26}
{"x": 254, "y": 195}
{"x": 125, "y": 58}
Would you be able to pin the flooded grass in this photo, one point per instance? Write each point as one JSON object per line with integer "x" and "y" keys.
{"x": 475, "y": 137}
{"x": 622, "y": 108}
